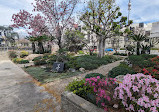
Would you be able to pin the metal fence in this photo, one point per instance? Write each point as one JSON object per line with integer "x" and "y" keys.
{"x": 5, "y": 49}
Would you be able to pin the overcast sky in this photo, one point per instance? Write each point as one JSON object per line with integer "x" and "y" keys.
{"x": 142, "y": 10}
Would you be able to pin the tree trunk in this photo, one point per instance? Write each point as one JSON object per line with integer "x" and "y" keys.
{"x": 138, "y": 48}
{"x": 49, "y": 47}
{"x": 101, "y": 48}
{"x": 41, "y": 48}
{"x": 59, "y": 42}
{"x": 33, "y": 47}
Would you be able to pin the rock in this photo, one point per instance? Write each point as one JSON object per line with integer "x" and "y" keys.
{"x": 120, "y": 78}
{"x": 72, "y": 70}
{"x": 130, "y": 65}
{"x": 82, "y": 70}
{"x": 115, "y": 106}
{"x": 43, "y": 67}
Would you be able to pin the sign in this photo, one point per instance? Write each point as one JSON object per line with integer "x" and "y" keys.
{"x": 58, "y": 67}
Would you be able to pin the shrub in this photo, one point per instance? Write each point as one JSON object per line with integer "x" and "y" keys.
{"x": 142, "y": 60}
{"x": 147, "y": 56}
{"x": 40, "y": 62}
{"x": 37, "y": 58}
{"x": 94, "y": 75}
{"x": 139, "y": 92}
{"x": 80, "y": 52}
{"x": 122, "y": 54}
{"x": 155, "y": 60}
{"x": 154, "y": 48}
{"x": 20, "y": 61}
{"x": 23, "y": 54}
{"x": 135, "y": 59}
{"x": 89, "y": 62}
{"x": 122, "y": 49}
{"x": 78, "y": 88}
{"x": 104, "y": 90}
{"x": 12, "y": 54}
{"x": 120, "y": 70}
{"x": 151, "y": 71}
{"x": 46, "y": 56}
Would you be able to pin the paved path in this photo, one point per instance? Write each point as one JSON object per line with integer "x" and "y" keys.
{"x": 18, "y": 93}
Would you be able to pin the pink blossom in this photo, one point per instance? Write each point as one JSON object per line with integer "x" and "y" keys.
{"x": 103, "y": 104}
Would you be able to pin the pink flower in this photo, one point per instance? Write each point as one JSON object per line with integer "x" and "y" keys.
{"x": 141, "y": 110}
{"x": 105, "y": 108}
{"x": 108, "y": 98}
{"x": 98, "y": 77}
{"x": 95, "y": 90}
{"x": 135, "y": 89}
{"x": 103, "y": 104}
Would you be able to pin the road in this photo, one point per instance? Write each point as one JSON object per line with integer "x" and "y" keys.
{"x": 18, "y": 92}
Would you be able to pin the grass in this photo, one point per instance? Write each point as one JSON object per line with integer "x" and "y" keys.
{"x": 45, "y": 77}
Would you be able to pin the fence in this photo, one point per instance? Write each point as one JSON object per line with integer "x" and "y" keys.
{"x": 6, "y": 49}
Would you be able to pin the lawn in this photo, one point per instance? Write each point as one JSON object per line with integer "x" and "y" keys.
{"x": 43, "y": 76}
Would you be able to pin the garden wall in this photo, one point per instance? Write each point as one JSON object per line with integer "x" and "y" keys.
{"x": 73, "y": 103}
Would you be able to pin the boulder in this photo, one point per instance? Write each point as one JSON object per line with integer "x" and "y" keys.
{"x": 82, "y": 70}
{"x": 120, "y": 78}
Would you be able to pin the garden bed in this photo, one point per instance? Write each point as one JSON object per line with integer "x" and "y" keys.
{"x": 146, "y": 64}
{"x": 137, "y": 92}
{"x": 43, "y": 76}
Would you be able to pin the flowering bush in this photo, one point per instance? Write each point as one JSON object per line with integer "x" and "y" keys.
{"x": 23, "y": 54}
{"x": 139, "y": 92}
{"x": 155, "y": 60}
{"x": 151, "y": 71}
{"x": 104, "y": 90}
{"x": 20, "y": 61}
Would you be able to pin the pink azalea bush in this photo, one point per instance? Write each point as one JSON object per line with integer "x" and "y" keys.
{"x": 104, "y": 89}
{"x": 139, "y": 93}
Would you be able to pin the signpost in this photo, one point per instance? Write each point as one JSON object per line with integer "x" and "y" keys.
{"x": 58, "y": 67}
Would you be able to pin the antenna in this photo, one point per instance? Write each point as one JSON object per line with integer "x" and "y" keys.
{"x": 129, "y": 9}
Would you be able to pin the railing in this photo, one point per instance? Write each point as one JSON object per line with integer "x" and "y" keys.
{"x": 6, "y": 48}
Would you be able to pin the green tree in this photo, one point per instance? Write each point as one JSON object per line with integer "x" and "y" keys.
{"x": 103, "y": 18}
{"x": 74, "y": 39}
{"x": 138, "y": 38}
{"x": 40, "y": 40}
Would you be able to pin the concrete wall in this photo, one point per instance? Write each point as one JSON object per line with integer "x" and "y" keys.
{"x": 73, "y": 103}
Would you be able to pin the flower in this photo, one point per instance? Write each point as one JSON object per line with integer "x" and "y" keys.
{"x": 100, "y": 88}
{"x": 138, "y": 90}
{"x": 135, "y": 89}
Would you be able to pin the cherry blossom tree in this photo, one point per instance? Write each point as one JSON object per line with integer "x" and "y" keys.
{"x": 59, "y": 16}
{"x": 56, "y": 18}
{"x": 35, "y": 26}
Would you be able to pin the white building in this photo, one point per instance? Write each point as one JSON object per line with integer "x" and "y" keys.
{"x": 151, "y": 30}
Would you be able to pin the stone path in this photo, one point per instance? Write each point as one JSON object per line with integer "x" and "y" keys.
{"x": 18, "y": 92}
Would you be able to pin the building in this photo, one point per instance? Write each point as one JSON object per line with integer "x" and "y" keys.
{"x": 151, "y": 30}
{"x": 7, "y": 36}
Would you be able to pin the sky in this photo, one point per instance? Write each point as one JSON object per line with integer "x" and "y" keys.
{"x": 142, "y": 10}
